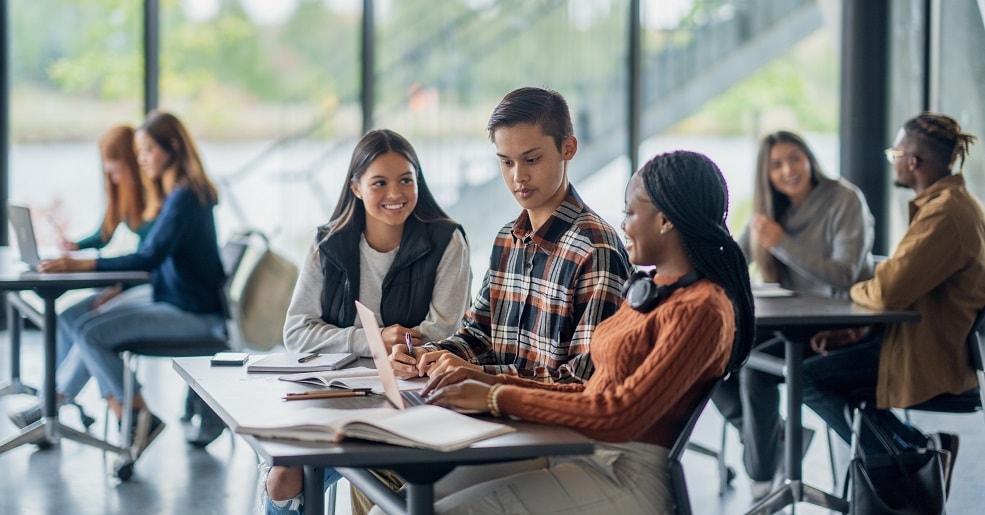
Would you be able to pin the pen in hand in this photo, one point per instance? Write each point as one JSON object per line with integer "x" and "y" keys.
{"x": 309, "y": 357}
{"x": 410, "y": 345}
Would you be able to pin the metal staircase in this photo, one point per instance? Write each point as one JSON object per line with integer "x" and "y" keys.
{"x": 718, "y": 45}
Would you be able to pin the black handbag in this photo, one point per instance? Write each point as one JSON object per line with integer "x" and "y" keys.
{"x": 907, "y": 482}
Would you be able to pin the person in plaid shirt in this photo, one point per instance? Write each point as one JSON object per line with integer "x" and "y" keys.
{"x": 555, "y": 272}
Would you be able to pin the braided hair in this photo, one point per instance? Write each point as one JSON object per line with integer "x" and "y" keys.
{"x": 689, "y": 189}
{"x": 940, "y": 138}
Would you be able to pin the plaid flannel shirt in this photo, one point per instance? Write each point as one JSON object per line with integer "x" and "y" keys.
{"x": 543, "y": 295}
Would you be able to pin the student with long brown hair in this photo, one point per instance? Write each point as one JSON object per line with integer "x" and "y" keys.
{"x": 131, "y": 201}
{"x": 811, "y": 234}
{"x": 182, "y": 255}
{"x": 389, "y": 245}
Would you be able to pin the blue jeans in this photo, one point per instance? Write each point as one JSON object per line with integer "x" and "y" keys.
{"x": 269, "y": 508}
{"x": 91, "y": 337}
{"x": 836, "y": 382}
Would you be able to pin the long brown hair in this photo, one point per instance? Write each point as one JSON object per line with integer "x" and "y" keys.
{"x": 767, "y": 201}
{"x": 125, "y": 200}
{"x": 349, "y": 210}
{"x": 168, "y": 132}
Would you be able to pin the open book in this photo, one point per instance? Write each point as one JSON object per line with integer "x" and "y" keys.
{"x": 425, "y": 427}
{"x": 356, "y": 378}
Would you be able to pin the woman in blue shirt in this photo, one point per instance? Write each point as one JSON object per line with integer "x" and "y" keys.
{"x": 182, "y": 256}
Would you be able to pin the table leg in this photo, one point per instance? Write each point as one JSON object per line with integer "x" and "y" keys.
{"x": 314, "y": 490}
{"x": 795, "y": 490}
{"x": 15, "y": 324}
{"x": 49, "y": 430}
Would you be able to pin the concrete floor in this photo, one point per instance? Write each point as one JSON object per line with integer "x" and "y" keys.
{"x": 175, "y": 478}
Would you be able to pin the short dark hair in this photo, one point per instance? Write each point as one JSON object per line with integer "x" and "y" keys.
{"x": 538, "y": 106}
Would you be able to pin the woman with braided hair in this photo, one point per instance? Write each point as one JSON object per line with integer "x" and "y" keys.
{"x": 681, "y": 328}
{"x": 938, "y": 269}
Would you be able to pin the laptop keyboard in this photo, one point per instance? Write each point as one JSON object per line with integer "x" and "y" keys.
{"x": 412, "y": 398}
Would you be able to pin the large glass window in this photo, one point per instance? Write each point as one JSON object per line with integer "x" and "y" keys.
{"x": 719, "y": 75}
{"x": 75, "y": 71}
{"x": 270, "y": 91}
{"x": 441, "y": 71}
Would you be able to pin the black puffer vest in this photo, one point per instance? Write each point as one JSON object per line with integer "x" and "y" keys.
{"x": 408, "y": 285}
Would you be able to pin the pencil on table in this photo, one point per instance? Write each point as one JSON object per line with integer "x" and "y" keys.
{"x": 321, "y": 395}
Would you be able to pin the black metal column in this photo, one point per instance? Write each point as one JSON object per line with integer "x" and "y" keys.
{"x": 4, "y": 120}
{"x": 634, "y": 102}
{"x": 152, "y": 50}
{"x": 367, "y": 65}
{"x": 864, "y": 111}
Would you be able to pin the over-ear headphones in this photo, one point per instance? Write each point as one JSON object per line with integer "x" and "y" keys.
{"x": 643, "y": 294}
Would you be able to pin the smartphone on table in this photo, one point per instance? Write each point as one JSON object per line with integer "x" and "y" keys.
{"x": 229, "y": 359}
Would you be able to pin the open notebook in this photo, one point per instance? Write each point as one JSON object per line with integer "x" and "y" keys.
{"x": 423, "y": 426}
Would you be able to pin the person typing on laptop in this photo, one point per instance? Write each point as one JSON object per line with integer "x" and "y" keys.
{"x": 555, "y": 271}
{"x": 681, "y": 328}
{"x": 130, "y": 201}
{"x": 182, "y": 255}
{"x": 390, "y": 246}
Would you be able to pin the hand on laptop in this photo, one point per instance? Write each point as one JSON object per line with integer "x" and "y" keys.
{"x": 435, "y": 363}
{"x": 67, "y": 264}
{"x": 458, "y": 375}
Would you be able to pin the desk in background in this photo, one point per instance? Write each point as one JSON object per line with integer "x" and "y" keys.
{"x": 49, "y": 287}
{"x": 791, "y": 320}
{"x": 234, "y": 394}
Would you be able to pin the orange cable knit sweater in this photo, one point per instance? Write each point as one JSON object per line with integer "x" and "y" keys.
{"x": 650, "y": 371}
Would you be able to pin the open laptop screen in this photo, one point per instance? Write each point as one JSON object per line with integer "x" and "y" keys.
{"x": 27, "y": 244}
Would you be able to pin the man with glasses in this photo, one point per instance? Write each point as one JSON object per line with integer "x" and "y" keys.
{"x": 938, "y": 269}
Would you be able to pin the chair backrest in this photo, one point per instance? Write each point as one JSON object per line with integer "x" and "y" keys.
{"x": 260, "y": 295}
{"x": 976, "y": 342}
{"x": 674, "y": 466}
{"x": 976, "y": 348}
{"x": 970, "y": 401}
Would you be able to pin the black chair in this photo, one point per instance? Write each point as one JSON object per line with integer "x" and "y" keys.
{"x": 973, "y": 400}
{"x": 232, "y": 256}
{"x": 675, "y": 469}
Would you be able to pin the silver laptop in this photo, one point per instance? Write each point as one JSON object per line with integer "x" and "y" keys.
{"x": 400, "y": 399}
{"x": 20, "y": 220}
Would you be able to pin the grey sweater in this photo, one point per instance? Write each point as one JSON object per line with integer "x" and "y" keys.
{"x": 305, "y": 331}
{"x": 828, "y": 243}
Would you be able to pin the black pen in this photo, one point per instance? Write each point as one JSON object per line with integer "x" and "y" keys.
{"x": 309, "y": 357}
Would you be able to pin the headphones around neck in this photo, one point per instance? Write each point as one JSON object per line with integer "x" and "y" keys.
{"x": 643, "y": 294}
